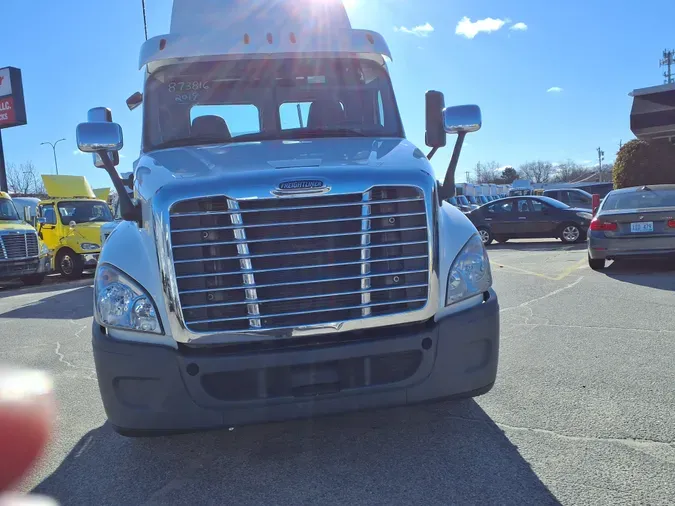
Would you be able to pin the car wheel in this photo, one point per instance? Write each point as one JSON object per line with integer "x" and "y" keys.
{"x": 485, "y": 236}
{"x": 70, "y": 264}
{"x": 570, "y": 233}
{"x": 502, "y": 240}
{"x": 597, "y": 264}
{"x": 33, "y": 279}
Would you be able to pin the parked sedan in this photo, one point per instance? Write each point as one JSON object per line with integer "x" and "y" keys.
{"x": 530, "y": 217}
{"x": 633, "y": 222}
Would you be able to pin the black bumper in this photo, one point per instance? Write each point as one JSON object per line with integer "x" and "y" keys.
{"x": 152, "y": 388}
{"x": 11, "y": 269}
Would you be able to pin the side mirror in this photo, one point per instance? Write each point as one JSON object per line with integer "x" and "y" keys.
{"x": 27, "y": 217}
{"x": 102, "y": 114}
{"x": 435, "y": 136}
{"x": 41, "y": 220}
{"x": 99, "y": 136}
{"x": 596, "y": 203}
{"x": 134, "y": 100}
{"x": 462, "y": 119}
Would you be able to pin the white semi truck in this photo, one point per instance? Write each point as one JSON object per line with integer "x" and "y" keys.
{"x": 287, "y": 252}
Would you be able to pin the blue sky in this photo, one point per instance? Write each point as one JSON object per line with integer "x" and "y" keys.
{"x": 78, "y": 54}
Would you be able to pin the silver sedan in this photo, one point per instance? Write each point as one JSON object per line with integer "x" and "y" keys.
{"x": 633, "y": 222}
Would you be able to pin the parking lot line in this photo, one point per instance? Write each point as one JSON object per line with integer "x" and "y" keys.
{"x": 559, "y": 277}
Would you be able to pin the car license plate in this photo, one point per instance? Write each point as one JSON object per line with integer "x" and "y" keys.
{"x": 647, "y": 226}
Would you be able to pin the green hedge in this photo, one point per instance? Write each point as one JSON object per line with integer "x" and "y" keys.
{"x": 639, "y": 163}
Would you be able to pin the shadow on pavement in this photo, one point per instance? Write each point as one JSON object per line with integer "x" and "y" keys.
{"x": 73, "y": 305}
{"x": 653, "y": 272}
{"x": 544, "y": 245}
{"x": 447, "y": 453}
{"x": 51, "y": 284}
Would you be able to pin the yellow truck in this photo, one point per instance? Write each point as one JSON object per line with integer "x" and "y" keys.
{"x": 71, "y": 222}
{"x": 22, "y": 254}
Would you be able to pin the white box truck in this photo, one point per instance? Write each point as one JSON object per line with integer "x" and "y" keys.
{"x": 287, "y": 252}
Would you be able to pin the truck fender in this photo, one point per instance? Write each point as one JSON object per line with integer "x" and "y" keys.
{"x": 454, "y": 230}
{"x": 135, "y": 254}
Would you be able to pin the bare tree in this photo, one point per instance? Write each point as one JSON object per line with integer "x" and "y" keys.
{"x": 24, "y": 179}
{"x": 539, "y": 171}
{"x": 570, "y": 171}
{"x": 487, "y": 172}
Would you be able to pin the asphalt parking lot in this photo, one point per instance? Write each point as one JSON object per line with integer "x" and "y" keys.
{"x": 583, "y": 411}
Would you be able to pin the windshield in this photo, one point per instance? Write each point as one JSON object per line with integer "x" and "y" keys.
{"x": 84, "y": 212}
{"x": 253, "y": 100}
{"x": 641, "y": 199}
{"x": 554, "y": 202}
{"x": 8, "y": 211}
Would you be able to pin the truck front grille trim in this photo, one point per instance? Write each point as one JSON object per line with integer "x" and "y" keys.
{"x": 265, "y": 264}
{"x": 18, "y": 246}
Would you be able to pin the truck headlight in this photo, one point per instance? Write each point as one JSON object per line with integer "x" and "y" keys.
{"x": 44, "y": 250}
{"x": 90, "y": 246}
{"x": 121, "y": 303}
{"x": 470, "y": 273}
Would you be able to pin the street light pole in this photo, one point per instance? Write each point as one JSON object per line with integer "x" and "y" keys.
{"x": 601, "y": 157}
{"x": 53, "y": 145}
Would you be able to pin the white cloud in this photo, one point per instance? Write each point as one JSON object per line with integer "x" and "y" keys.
{"x": 520, "y": 27}
{"x": 78, "y": 152}
{"x": 419, "y": 31}
{"x": 554, "y": 89}
{"x": 470, "y": 28}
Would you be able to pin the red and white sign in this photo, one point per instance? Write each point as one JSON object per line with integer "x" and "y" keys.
{"x": 12, "y": 105}
{"x": 5, "y": 82}
{"x": 7, "y": 114}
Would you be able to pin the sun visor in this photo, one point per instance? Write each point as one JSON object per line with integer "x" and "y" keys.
{"x": 102, "y": 193}
{"x": 653, "y": 113}
{"x": 67, "y": 187}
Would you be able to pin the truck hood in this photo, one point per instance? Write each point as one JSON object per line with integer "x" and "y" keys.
{"x": 15, "y": 225}
{"x": 269, "y": 161}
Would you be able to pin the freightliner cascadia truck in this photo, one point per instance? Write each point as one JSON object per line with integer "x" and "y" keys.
{"x": 286, "y": 252}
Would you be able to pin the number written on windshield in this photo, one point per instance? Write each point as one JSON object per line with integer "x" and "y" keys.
{"x": 181, "y": 86}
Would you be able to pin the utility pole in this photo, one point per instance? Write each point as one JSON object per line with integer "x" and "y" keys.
{"x": 53, "y": 145}
{"x": 601, "y": 157}
{"x": 668, "y": 61}
{"x": 620, "y": 143}
{"x": 467, "y": 176}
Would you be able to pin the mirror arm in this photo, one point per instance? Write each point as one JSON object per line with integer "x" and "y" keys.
{"x": 432, "y": 152}
{"x": 448, "y": 188}
{"x": 128, "y": 210}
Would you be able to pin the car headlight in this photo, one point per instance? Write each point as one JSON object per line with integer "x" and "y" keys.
{"x": 470, "y": 273}
{"x": 585, "y": 216}
{"x": 121, "y": 303}
{"x": 90, "y": 246}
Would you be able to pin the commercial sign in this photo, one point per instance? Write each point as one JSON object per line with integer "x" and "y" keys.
{"x": 12, "y": 106}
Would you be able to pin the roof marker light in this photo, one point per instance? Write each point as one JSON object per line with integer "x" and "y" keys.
{"x": 247, "y": 38}
{"x": 292, "y": 37}
{"x": 370, "y": 38}
{"x": 269, "y": 38}
{"x": 162, "y": 44}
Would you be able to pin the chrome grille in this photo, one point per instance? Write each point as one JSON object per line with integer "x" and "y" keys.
{"x": 285, "y": 263}
{"x": 18, "y": 245}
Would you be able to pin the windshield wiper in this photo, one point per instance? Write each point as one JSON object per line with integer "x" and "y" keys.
{"x": 190, "y": 141}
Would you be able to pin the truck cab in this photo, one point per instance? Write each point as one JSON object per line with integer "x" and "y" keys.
{"x": 287, "y": 251}
{"x": 72, "y": 217}
{"x": 22, "y": 254}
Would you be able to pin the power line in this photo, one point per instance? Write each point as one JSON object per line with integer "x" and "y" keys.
{"x": 668, "y": 61}
{"x": 145, "y": 20}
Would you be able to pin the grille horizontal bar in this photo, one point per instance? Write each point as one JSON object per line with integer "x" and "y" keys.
{"x": 360, "y": 306}
{"x": 283, "y": 263}
{"x": 309, "y": 296}
{"x": 296, "y": 208}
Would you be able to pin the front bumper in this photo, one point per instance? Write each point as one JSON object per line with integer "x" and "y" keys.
{"x": 90, "y": 259}
{"x": 11, "y": 269}
{"x": 150, "y": 388}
